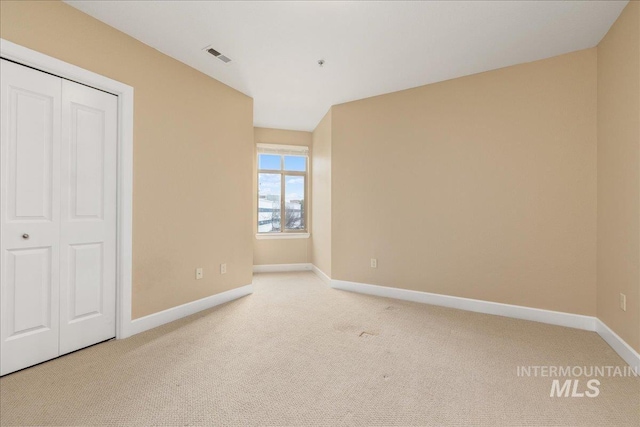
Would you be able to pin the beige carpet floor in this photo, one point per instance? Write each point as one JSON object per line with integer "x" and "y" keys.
{"x": 299, "y": 353}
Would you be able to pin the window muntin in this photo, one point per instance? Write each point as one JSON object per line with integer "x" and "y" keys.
{"x": 282, "y": 189}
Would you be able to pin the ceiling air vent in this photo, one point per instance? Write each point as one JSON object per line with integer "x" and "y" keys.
{"x": 217, "y": 54}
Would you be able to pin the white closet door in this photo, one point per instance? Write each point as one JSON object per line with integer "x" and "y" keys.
{"x": 88, "y": 217}
{"x": 29, "y": 218}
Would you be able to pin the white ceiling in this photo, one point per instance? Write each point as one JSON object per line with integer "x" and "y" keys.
{"x": 370, "y": 48}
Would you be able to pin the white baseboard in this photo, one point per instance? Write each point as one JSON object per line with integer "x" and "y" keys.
{"x": 275, "y": 268}
{"x": 623, "y": 349}
{"x": 321, "y": 274}
{"x": 577, "y": 321}
{"x": 157, "y": 319}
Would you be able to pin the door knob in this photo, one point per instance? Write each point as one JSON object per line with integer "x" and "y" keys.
{"x": 25, "y": 236}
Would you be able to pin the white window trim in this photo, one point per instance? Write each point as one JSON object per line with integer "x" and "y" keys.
{"x": 124, "y": 255}
{"x": 284, "y": 150}
{"x": 294, "y": 150}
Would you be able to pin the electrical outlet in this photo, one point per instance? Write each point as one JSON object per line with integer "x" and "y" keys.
{"x": 623, "y": 302}
{"x": 199, "y": 273}
{"x": 223, "y": 268}
{"x": 374, "y": 263}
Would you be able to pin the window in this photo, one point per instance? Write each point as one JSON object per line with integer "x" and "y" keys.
{"x": 282, "y": 188}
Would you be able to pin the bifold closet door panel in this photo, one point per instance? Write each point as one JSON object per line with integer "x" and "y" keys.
{"x": 30, "y": 216}
{"x": 88, "y": 216}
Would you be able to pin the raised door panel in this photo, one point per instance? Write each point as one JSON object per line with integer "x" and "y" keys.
{"x": 86, "y": 148}
{"x": 30, "y": 155}
{"x": 28, "y": 288}
{"x": 86, "y": 281}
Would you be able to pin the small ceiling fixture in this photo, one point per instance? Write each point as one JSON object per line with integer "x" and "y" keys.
{"x": 217, "y": 54}
{"x": 321, "y": 62}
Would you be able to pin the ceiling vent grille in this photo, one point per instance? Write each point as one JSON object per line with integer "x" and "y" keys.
{"x": 217, "y": 54}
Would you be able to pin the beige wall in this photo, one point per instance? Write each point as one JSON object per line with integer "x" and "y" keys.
{"x": 321, "y": 206}
{"x": 281, "y": 251}
{"x": 193, "y": 144}
{"x": 481, "y": 187}
{"x": 619, "y": 175}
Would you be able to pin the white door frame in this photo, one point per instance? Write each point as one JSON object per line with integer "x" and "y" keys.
{"x": 39, "y": 61}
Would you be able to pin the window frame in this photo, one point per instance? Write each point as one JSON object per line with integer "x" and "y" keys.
{"x": 286, "y": 151}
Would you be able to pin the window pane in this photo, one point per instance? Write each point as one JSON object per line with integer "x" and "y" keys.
{"x": 295, "y": 163}
{"x": 269, "y": 161}
{"x": 268, "y": 202}
{"x": 294, "y": 202}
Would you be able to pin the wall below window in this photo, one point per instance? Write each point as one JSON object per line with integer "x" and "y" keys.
{"x": 281, "y": 251}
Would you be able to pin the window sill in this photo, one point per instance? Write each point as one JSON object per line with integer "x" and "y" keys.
{"x": 277, "y": 236}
